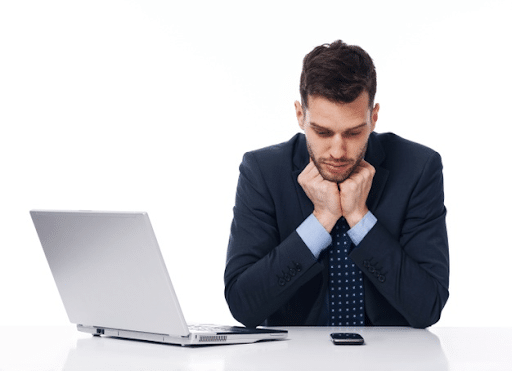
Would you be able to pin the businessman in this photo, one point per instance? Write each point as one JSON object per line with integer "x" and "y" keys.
{"x": 339, "y": 226}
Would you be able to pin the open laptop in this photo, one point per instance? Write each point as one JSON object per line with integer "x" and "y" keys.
{"x": 113, "y": 281}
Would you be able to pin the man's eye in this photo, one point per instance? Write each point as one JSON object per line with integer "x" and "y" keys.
{"x": 354, "y": 133}
{"x": 323, "y": 133}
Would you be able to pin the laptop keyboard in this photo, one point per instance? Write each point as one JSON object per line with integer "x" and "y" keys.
{"x": 216, "y": 328}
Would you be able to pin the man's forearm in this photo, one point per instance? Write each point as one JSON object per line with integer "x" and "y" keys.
{"x": 258, "y": 286}
{"x": 413, "y": 279}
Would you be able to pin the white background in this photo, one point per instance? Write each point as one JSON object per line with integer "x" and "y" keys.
{"x": 149, "y": 105}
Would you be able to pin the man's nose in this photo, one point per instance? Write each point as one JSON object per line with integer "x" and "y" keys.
{"x": 338, "y": 147}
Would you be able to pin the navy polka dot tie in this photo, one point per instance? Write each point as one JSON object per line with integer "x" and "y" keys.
{"x": 346, "y": 292}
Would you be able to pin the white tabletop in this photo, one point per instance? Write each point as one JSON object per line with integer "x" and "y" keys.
{"x": 438, "y": 349}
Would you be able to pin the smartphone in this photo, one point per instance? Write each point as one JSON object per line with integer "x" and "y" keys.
{"x": 346, "y": 338}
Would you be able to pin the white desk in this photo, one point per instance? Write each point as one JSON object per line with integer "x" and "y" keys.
{"x": 436, "y": 349}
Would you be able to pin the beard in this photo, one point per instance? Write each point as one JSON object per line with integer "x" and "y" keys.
{"x": 348, "y": 165}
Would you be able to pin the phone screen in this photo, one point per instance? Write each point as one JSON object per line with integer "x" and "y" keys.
{"x": 347, "y": 338}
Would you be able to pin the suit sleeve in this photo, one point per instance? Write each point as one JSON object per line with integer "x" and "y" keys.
{"x": 412, "y": 272}
{"x": 263, "y": 270}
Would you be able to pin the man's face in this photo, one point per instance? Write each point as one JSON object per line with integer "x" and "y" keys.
{"x": 337, "y": 133}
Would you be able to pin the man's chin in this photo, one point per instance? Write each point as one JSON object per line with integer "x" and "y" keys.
{"x": 335, "y": 177}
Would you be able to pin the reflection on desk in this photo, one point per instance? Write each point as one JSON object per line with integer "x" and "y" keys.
{"x": 63, "y": 348}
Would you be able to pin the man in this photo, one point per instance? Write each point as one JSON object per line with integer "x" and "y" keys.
{"x": 339, "y": 225}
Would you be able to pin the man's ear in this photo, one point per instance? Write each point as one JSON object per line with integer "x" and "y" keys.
{"x": 299, "y": 112}
{"x": 375, "y": 115}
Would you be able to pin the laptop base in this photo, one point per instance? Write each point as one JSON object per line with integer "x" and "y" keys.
{"x": 195, "y": 338}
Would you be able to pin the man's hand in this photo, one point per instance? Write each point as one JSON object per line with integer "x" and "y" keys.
{"x": 324, "y": 194}
{"x": 354, "y": 192}
{"x": 332, "y": 201}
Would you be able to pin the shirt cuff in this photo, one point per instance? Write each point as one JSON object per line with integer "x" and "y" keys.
{"x": 314, "y": 235}
{"x": 361, "y": 229}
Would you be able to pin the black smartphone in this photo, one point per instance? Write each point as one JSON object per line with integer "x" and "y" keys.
{"x": 346, "y": 338}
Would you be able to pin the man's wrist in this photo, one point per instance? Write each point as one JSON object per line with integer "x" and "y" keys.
{"x": 355, "y": 217}
{"x": 327, "y": 220}
{"x": 314, "y": 235}
{"x": 362, "y": 228}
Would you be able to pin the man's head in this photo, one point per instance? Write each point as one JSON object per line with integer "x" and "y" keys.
{"x": 338, "y": 72}
{"x": 337, "y": 87}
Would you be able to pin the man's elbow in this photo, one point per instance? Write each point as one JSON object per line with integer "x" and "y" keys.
{"x": 428, "y": 319}
{"x": 422, "y": 323}
{"x": 241, "y": 310}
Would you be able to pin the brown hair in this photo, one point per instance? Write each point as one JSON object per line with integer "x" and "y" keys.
{"x": 338, "y": 72}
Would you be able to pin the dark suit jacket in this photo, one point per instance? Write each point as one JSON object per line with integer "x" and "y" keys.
{"x": 272, "y": 278}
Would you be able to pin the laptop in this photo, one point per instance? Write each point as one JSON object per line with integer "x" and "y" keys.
{"x": 113, "y": 281}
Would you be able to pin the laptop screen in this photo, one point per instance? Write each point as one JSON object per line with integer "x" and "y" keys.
{"x": 109, "y": 270}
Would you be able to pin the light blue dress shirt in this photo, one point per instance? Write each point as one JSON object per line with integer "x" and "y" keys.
{"x": 318, "y": 239}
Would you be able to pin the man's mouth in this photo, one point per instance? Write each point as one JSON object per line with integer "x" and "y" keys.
{"x": 337, "y": 167}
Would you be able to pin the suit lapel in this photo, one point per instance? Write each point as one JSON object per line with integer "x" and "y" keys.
{"x": 374, "y": 155}
{"x": 300, "y": 161}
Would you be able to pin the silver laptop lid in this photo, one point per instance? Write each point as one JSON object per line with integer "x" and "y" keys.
{"x": 103, "y": 264}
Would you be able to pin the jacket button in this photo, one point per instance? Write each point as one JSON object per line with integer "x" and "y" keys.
{"x": 281, "y": 282}
{"x": 371, "y": 269}
{"x": 298, "y": 267}
{"x": 287, "y": 277}
{"x": 382, "y": 278}
{"x": 365, "y": 263}
{"x": 292, "y": 272}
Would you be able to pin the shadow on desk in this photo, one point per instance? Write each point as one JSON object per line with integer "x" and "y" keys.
{"x": 307, "y": 348}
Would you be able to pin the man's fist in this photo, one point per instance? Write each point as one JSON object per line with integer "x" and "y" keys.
{"x": 324, "y": 194}
{"x": 354, "y": 192}
{"x": 332, "y": 201}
